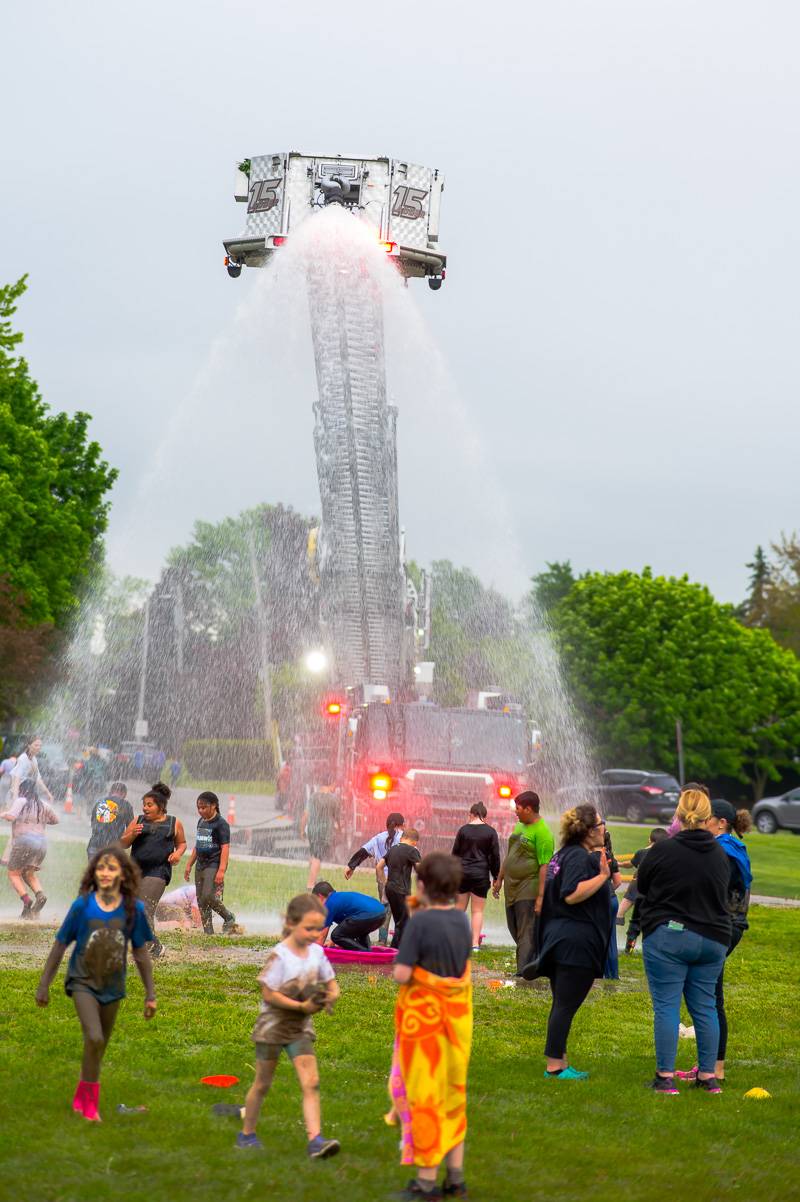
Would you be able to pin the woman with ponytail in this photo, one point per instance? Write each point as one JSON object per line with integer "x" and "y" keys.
{"x": 683, "y": 884}
{"x": 729, "y": 826}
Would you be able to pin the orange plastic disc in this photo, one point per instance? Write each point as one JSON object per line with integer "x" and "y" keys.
{"x": 221, "y": 1080}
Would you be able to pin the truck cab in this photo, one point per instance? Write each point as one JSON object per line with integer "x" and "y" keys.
{"x": 432, "y": 764}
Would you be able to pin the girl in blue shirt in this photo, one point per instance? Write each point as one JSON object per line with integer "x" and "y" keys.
{"x": 101, "y": 922}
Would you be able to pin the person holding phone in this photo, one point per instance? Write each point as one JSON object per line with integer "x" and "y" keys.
{"x": 576, "y": 927}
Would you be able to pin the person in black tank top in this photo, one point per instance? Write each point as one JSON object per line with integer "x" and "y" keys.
{"x": 157, "y": 841}
{"x": 478, "y": 848}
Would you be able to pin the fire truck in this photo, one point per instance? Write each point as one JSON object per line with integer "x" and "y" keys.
{"x": 431, "y": 764}
{"x": 385, "y": 750}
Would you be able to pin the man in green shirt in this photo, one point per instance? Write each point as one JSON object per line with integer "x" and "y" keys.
{"x": 530, "y": 850}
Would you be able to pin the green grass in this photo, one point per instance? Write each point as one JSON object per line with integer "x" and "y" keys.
{"x": 529, "y": 1139}
{"x": 224, "y": 787}
{"x": 775, "y": 858}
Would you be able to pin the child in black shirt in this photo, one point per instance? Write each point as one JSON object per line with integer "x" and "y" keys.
{"x": 399, "y": 861}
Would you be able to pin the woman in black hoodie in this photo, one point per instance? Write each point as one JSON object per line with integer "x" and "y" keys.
{"x": 683, "y": 883}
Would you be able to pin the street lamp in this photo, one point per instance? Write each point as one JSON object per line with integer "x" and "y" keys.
{"x": 316, "y": 662}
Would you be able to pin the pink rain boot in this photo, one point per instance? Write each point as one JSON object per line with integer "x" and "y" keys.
{"x": 91, "y": 1098}
{"x": 80, "y": 1096}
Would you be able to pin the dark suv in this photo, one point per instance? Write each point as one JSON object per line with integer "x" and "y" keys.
{"x": 638, "y": 796}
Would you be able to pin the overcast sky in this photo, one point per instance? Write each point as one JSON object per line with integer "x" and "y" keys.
{"x": 610, "y": 373}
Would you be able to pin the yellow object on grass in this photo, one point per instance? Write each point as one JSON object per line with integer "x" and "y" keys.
{"x": 428, "y": 1082}
{"x": 758, "y": 1093}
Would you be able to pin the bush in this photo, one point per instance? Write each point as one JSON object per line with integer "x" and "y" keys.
{"x": 228, "y": 759}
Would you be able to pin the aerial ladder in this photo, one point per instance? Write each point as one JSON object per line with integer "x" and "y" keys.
{"x": 363, "y": 588}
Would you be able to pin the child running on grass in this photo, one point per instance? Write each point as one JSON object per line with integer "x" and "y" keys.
{"x": 30, "y": 818}
{"x": 433, "y": 1032}
{"x": 101, "y": 922}
{"x": 296, "y": 982}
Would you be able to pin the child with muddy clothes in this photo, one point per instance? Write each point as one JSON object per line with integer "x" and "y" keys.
{"x": 296, "y": 982}
{"x": 101, "y": 922}
{"x": 27, "y": 848}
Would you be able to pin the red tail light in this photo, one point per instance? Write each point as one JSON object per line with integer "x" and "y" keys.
{"x": 389, "y": 247}
{"x": 381, "y": 780}
{"x": 279, "y": 240}
{"x": 653, "y": 790}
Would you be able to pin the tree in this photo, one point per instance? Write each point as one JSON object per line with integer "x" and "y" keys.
{"x": 552, "y": 586}
{"x": 53, "y": 485}
{"x": 642, "y": 651}
{"x": 24, "y": 651}
{"x": 476, "y": 641}
{"x": 753, "y": 610}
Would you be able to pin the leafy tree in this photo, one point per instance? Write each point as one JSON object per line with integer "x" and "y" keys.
{"x": 642, "y": 651}
{"x": 476, "y": 640}
{"x": 781, "y": 593}
{"x": 552, "y": 586}
{"x": 753, "y": 611}
{"x": 24, "y": 651}
{"x": 53, "y": 484}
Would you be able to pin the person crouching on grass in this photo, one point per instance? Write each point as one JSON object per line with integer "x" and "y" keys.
{"x": 296, "y": 982}
{"x": 101, "y": 922}
{"x": 433, "y": 1031}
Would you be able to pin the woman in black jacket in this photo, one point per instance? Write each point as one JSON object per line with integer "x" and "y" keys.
{"x": 683, "y": 885}
{"x": 478, "y": 848}
{"x": 575, "y": 930}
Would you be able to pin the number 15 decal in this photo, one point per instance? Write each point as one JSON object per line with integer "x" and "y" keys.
{"x": 263, "y": 195}
{"x": 408, "y": 202}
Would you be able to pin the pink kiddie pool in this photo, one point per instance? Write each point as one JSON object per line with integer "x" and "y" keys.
{"x": 378, "y": 957}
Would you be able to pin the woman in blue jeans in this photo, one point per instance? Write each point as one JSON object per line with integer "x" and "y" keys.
{"x": 683, "y": 883}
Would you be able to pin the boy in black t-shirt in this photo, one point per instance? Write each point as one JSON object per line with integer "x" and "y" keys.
{"x": 399, "y": 861}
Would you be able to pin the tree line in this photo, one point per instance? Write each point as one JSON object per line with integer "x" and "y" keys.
{"x": 638, "y": 652}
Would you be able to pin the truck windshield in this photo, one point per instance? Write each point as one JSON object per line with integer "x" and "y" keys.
{"x": 463, "y": 739}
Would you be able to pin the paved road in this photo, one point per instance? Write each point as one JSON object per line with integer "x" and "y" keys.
{"x": 251, "y": 809}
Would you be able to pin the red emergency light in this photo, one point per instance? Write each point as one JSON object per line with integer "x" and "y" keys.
{"x": 389, "y": 247}
{"x": 333, "y": 709}
{"x": 504, "y": 791}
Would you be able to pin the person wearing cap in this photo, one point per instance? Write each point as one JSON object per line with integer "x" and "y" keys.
{"x": 729, "y": 826}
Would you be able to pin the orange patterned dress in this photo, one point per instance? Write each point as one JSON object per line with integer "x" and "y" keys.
{"x": 428, "y": 1081}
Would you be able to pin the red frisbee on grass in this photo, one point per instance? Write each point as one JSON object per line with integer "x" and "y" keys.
{"x": 220, "y": 1080}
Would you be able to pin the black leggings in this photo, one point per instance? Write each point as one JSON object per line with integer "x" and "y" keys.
{"x": 736, "y": 935}
{"x": 209, "y": 897}
{"x": 97, "y": 1022}
{"x": 569, "y": 986}
{"x": 397, "y": 903}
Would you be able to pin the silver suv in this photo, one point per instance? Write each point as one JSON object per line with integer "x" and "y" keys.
{"x": 778, "y": 813}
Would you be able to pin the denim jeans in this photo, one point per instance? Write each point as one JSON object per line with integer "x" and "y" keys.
{"x": 682, "y": 962}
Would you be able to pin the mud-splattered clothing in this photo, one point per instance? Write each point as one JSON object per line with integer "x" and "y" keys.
{"x": 298, "y": 978}
{"x": 98, "y": 962}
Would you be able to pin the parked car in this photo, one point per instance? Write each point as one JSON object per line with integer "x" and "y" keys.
{"x": 638, "y": 796}
{"x": 55, "y": 769}
{"x": 773, "y": 814}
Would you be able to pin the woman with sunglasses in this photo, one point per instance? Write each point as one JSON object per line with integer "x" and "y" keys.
{"x": 576, "y": 927}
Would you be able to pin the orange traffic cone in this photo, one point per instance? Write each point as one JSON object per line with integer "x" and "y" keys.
{"x": 68, "y": 806}
{"x": 231, "y": 810}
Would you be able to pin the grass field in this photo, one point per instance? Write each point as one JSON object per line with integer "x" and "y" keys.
{"x": 605, "y": 1139}
{"x": 253, "y": 887}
